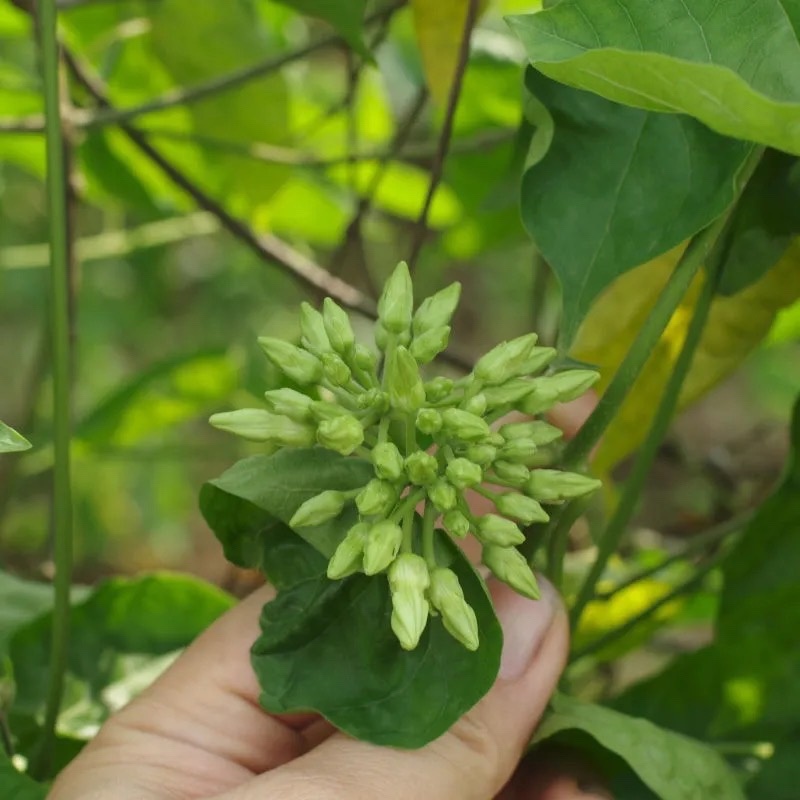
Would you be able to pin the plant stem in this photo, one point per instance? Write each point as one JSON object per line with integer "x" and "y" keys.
{"x": 610, "y": 538}
{"x": 558, "y": 540}
{"x": 59, "y": 314}
{"x": 428, "y": 521}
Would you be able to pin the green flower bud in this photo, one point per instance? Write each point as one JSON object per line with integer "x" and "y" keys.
{"x": 319, "y": 509}
{"x": 437, "y": 310}
{"x": 365, "y": 364}
{"x": 509, "y": 393}
{"x": 323, "y": 409}
{"x": 510, "y": 566}
{"x": 476, "y": 405}
{"x": 516, "y": 474}
{"x": 382, "y": 545}
{"x": 554, "y": 486}
{"x": 258, "y": 425}
{"x": 342, "y": 434}
{"x": 376, "y": 498}
{"x": 456, "y": 524}
{"x": 539, "y": 432}
{"x": 481, "y": 454}
{"x": 429, "y": 421}
{"x": 408, "y": 582}
{"x": 447, "y": 598}
{"x": 559, "y": 388}
{"x": 373, "y": 399}
{"x": 520, "y": 507}
{"x": 335, "y": 370}
{"x": 518, "y": 451}
{"x": 396, "y": 302}
{"x": 498, "y": 531}
{"x": 438, "y": 388}
{"x": 381, "y": 337}
{"x": 406, "y": 391}
{"x": 505, "y": 360}
{"x": 348, "y": 556}
{"x": 428, "y": 345}
{"x": 537, "y": 360}
{"x": 463, "y": 473}
{"x": 443, "y": 495}
{"x": 465, "y": 426}
{"x": 387, "y": 461}
{"x": 338, "y": 327}
{"x": 312, "y": 330}
{"x": 289, "y": 403}
{"x": 422, "y": 468}
{"x": 300, "y": 366}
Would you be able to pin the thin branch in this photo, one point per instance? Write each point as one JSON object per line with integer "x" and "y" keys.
{"x": 437, "y": 168}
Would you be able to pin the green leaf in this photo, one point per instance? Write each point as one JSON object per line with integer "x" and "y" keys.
{"x": 279, "y": 484}
{"x": 602, "y": 200}
{"x": 117, "y": 631}
{"x": 16, "y": 786}
{"x": 347, "y": 16}
{"x": 695, "y": 58}
{"x": 20, "y": 602}
{"x": 673, "y": 766}
{"x": 328, "y": 646}
{"x": 11, "y": 441}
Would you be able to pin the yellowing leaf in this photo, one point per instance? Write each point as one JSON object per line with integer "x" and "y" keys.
{"x": 736, "y": 325}
{"x": 440, "y": 28}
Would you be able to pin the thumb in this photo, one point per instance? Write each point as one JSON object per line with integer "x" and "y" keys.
{"x": 475, "y": 758}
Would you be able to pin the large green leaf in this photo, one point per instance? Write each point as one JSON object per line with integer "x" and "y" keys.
{"x": 347, "y": 16}
{"x": 617, "y": 187}
{"x": 673, "y": 766}
{"x": 278, "y": 485}
{"x": 328, "y": 646}
{"x": 734, "y": 66}
{"x": 11, "y": 441}
{"x": 16, "y": 786}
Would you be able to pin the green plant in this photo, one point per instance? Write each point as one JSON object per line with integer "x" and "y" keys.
{"x": 654, "y": 163}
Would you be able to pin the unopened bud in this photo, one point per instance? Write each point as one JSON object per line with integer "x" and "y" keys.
{"x": 428, "y": 345}
{"x": 438, "y": 388}
{"x": 376, "y": 498}
{"x": 465, "y": 426}
{"x": 463, "y": 474}
{"x": 373, "y": 399}
{"x": 382, "y": 545}
{"x": 510, "y": 566}
{"x": 476, "y": 405}
{"x": 516, "y": 474}
{"x": 443, "y": 495}
{"x": 437, "y": 310}
{"x": 541, "y": 433}
{"x": 422, "y": 468}
{"x": 289, "y": 403}
{"x": 396, "y": 302}
{"x": 364, "y": 359}
{"x": 520, "y": 507}
{"x": 335, "y": 370}
{"x": 518, "y": 451}
{"x": 509, "y": 393}
{"x": 301, "y": 366}
{"x": 481, "y": 454}
{"x": 348, "y": 556}
{"x": 505, "y": 360}
{"x": 258, "y": 425}
{"x": 554, "y": 486}
{"x": 387, "y": 461}
{"x": 403, "y": 381}
{"x": 323, "y": 409}
{"x": 338, "y": 327}
{"x": 312, "y": 330}
{"x": 318, "y": 509}
{"x": 456, "y": 524}
{"x": 447, "y": 597}
{"x": 498, "y": 531}
{"x": 559, "y": 388}
{"x": 342, "y": 434}
{"x": 382, "y": 337}
{"x": 408, "y": 582}
{"x": 429, "y": 421}
{"x": 537, "y": 360}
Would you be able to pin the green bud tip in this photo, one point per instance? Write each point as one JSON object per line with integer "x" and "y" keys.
{"x": 438, "y": 388}
{"x": 505, "y": 360}
{"x": 519, "y": 451}
{"x": 338, "y": 327}
{"x": 494, "y": 530}
{"x": 447, "y": 598}
{"x": 463, "y": 473}
{"x": 443, "y": 495}
{"x": 382, "y": 545}
{"x": 323, "y": 409}
{"x": 408, "y": 582}
{"x": 377, "y": 497}
{"x": 301, "y": 366}
{"x": 289, "y": 403}
{"x": 364, "y": 359}
{"x": 456, "y": 524}
{"x": 428, "y": 345}
{"x": 421, "y": 468}
{"x": 429, "y": 421}
{"x": 318, "y": 509}
{"x": 516, "y": 474}
{"x": 510, "y": 566}
{"x": 335, "y": 370}
{"x": 554, "y": 486}
{"x": 396, "y": 302}
{"x": 509, "y": 394}
{"x": 342, "y": 434}
{"x": 520, "y": 507}
{"x": 347, "y": 558}
{"x": 437, "y": 310}
{"x": 387, "y": 461}
{"x": 476, "y": 405}
{"x": 258, "y": 425}
{"x": 541, "y": 433}
{"x": 312, "y": 330}
{"x": 481, "y": 454}
{"x": 404, "y": 383}
{"x": 465, "y": 426}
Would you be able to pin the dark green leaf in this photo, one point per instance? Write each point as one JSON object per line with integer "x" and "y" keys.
{"x": 279, "y": 484}
{"x": 328, "y": 646}
{"x": 16, "y": 786}
{"x": 767, "y": 220}
{"x": 347, "y": 16}
{"x": 11, "y": 441}
{"x": 695, "y": 57}
{"x": 617, "y": 187}
{"x": 673, "y": 766}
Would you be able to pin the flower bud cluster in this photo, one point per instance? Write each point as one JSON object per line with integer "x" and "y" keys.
{"x": 430, "y": 443}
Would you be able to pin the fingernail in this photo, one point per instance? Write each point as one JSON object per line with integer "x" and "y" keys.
{"x": 590, "y": 790}
{"x": 525, "y": 624}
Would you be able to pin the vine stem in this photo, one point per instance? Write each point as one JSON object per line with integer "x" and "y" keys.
{"x": 59, "y": 316}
